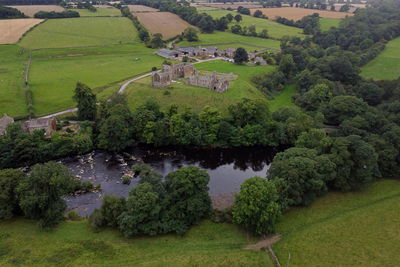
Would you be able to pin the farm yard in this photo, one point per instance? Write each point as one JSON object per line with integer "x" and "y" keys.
{"x": 386, "y": 65}
{"x": 141, "y": 8}
{"x": 11, "y": 30}
{"x": 275, "y": 30}
{"x": 166, "y": 23}
{"x": 295, "y": 13}
{"x": 100, "y": 12}
{"x": 31, "y": 10}
{"x": 81, "y": 32}
{"x": 344, "y": 229}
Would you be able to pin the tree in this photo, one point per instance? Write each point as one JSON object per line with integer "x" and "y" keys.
{"x": 287, "y": 66}
{"x": 258, "y": 14}
{"x": 144, "y": 35}
{"x": 315, "y": 139}
{"x": 229, "y": 17}
{"x": 115, "y": 133}
{"x": 86, "y": 102}
{"x": 249, "y": 111}
{"x": 236, "y": 29}
{"x": 256, "y": 207}
{"x": 238, "y": 18}
{"x": 142, "y": 215}
{"x": 187, "y": 200}
{"x": 190, "y": 34}
{"x": 111, "y": 209}
{"x": 40, "y": 194}
{"x": 263, "y": 34}
{"x": 240, "y": 56}
{"x": 252, "y": 31}
{"x": 341, "y": 108}
{"x": 9, "y": 181}
{"x": 157, "y": 41}
{"x": 303, "y": 175}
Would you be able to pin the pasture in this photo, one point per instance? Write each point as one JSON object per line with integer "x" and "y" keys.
{"x": 73, "y": 244}
{"x": 296, "y": 13}
{"x": 327, "y": 23}
{"x": 386, "y": 66}
{"x": 141, "y": 8}
{"x": 275, "y": 30}
{"x": 233, "y": 5}
{"x": 344, "y": 229}
{"x": 100, "y": 12}
{"x": 166, "y": 23}
{"x": 12, "y": 92}
{"x": 54, "y": 72}
{"x": 228, "y": 39}
{"x": 92, "y": 31}
{"x": 31, "y": 10}
{"x": 11, "y": 30}
{"x": 196, "y": 98}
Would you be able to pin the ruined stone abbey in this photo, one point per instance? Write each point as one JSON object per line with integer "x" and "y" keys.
{"x": 168, "y": 73}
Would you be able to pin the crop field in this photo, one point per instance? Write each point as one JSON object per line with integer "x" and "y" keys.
{"x": 73, "y": 244}
{"x": 11, "y": 30}
{"x": 71, "y": 32}
{"x": 275, "y": 30}
{"x": 197, "y": 98}
{"x": 54, "y": 72}
{"x": 12, "y": 92}
{"x": 141, "y": 8}
{"x": 166, "y": 23}
{"x": 344, "y": 229}
{"x": 100, "y": 12}
{"x": 232, "y": 5}
{"x": 327, "y": 23}
{"x": 31, "y": 10}
{"x": 296, "y": 13}
{"x": 228, "y": 39}
{"x": 386, "y": 65}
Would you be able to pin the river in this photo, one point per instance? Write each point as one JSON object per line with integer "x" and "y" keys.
{"x": 228, "y": 168}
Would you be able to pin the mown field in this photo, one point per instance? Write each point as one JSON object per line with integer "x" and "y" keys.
{"x": 80, "y": 32}
{"x": 11, "y": 30}
{"x": 344, "y": 229}
{"x": 296, "y": 13}
{"x": 197, "y": 98}
{"x": 73, "y": 244}
{"x": 100, "y": 12}
{"x": 166, "y": 23}
{"x": 227, "y": 39}
{"x": 327, "y": 23}
{"x": 31, "y": 10}
{"x": 275, "y": 30}
{"x": 386, "y": 65}
{"x": 55, "y": 72}
{"x": 12, "y": 92}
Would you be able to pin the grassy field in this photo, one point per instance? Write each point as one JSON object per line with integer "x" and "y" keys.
{"x": 12, "y": 92}
{"x": 80, "y": 32}
{"x": 386, "y": 65}
{"x": 197, "y": 98}
{"x": 55, "y": 72}
{"x": 73, "y": 244}
{"x": 233, "y": 40}
{"x": 344, "y": 229}
{"x": 101, "y": 12}
{"x": 327, "y": 23}
{"x": 275, "y": 30}
{"x": 284, "y": 99}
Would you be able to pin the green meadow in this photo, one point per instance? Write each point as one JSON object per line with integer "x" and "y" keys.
{"x": 228, "y": 39}
{"x": 275, "y": 30}
{"x": 283, "y": 99}
{"x": 386, "y": 66}
{"x": 73, "y": 244}
{"x": 344, "y": 229}
{"x": 327, "y": 23}
{"x": 90, "y": 31}
{"x": 55, "y": 72}
{"x": 197, "y": 98}
{"x": 12, "y": 91}
{"x": 100, "y": 12}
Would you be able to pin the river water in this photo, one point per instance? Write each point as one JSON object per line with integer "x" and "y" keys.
{"x": 228, "y": 168}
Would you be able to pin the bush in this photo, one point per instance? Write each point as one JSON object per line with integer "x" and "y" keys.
{"x": 74, "y": 216}
{"x": 96, "y": 220}
{"x": 126, "y": 180}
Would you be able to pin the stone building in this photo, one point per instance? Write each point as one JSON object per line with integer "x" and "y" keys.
{"x": 168, "y": 73}
{"x": 4, "y": 122}
{"x": 260, "y": 61}
{"x": 212, "y": 82}
{"x": 47, "y": 124}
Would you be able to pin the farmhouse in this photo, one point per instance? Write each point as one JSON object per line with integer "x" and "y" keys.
{"x": 47, "y": 124}
{"x": 4, "y": 122}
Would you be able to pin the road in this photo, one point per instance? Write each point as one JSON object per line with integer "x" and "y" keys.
{"x": 121, "y": 89}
